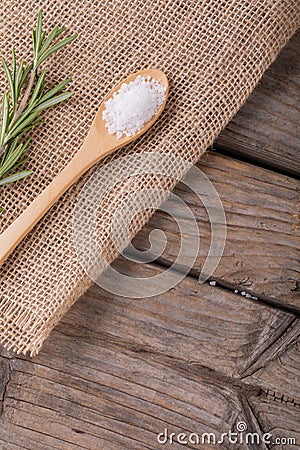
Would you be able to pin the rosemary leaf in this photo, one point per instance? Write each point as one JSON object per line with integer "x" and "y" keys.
{"x": 38, "y": 90}
{"x": 53, "y": 101}
{"x": 5, "y": 116}
{"x": 34, "y": 124}
{"x": 19, "y": 163}
{"x": 55, "y": 48}
{"x": 60, "y": 87}
{"x": 15, "y": 177}
{"x": 13, "y": 57}
{"x": 38, "y": 33}
{"x": 9, "y": 148}
{"x": 23, "y": 122}
{"x": 25, "y": 74}
{"x": 10, "y": 81}
{"x": 11, "y": 159}
{"x": 52, "y": 36}
{"x": 35, "y": 50}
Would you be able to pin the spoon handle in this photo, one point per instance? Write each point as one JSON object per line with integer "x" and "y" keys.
{"x": 80, "y": 163}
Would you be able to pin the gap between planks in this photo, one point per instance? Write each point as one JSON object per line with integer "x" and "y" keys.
{"x": 261, "y": 255}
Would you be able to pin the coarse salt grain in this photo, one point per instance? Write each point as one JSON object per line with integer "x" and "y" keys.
{"x": 133, "y": 105}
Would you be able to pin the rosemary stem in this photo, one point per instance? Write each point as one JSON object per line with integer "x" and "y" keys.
{"x": 24, "y": 100}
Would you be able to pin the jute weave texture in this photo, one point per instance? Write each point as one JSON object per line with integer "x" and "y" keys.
{"x": 214, "y": 53}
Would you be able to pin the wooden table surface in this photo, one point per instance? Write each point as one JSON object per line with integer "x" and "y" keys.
{"x": 117, "y": 371}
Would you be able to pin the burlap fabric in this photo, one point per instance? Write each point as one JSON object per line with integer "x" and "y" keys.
{"x": 214, "y": 53}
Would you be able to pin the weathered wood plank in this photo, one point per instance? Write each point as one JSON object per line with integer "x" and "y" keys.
{"x": 262, "y": 254}
{"x": 267, "y": 421}
{"x": 279, "y": 419}
{"x": 91, "y": 408}
{"x": 117, "y": 371}
{"x": 267, "y": 129}
{"x": 231, "y": 329}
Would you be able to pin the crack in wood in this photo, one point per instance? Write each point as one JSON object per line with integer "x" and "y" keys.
{"x": 275, "y": 349}
{"x": 252, "y": 421}
{"x": 5, "y": 377}
{"x": 254, "y": 296}
{"x": 221, "y": 284}
{"x": 211, "y": 376}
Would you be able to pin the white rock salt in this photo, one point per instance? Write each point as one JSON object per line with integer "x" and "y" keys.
{"x": 133, "y": 105}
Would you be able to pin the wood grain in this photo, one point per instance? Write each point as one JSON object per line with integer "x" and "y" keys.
{"x": 285, "y": 364}
{"x": 116, "y": 371}
{"x": 96, "y": 409}
{"x": 261, "y": 254}
{"x": 277, "y": 418}
{"x": 267, "y": 128}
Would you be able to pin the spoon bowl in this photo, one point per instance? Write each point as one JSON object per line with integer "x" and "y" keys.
{"x": 97, "y": 145}
{"x": 110, "y": 140}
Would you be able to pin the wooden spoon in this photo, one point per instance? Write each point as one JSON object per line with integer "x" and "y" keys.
{"x": 98, "y": 144}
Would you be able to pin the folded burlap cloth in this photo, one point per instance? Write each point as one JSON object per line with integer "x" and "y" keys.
{"x": 214, "y": 53}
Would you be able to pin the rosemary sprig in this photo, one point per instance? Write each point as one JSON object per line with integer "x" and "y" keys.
{"x": 26, "y": 100}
